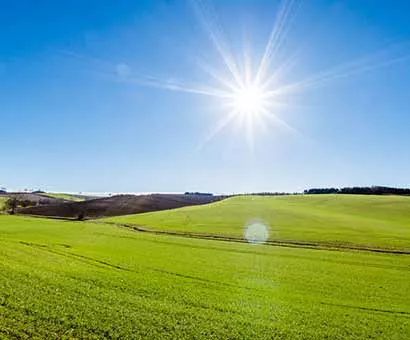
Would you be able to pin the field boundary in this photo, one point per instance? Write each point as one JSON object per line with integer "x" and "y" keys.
{"x": 278, "y": 243}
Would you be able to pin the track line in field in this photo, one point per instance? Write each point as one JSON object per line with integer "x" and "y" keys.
{"x": 288, "y": 243}
{"x": 377, "y": 310}
{"x": 102, "y": 264}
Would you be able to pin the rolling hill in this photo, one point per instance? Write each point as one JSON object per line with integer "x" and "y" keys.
{"x": 33, "y": 198}
{"x": 381, "y": 222}
{"x": 117, "y": 205}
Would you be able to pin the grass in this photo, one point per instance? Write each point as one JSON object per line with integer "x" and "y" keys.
{"x": 362, "y": 221}
{"x": 64, "y": 280}
{"x": 68, "y": 197}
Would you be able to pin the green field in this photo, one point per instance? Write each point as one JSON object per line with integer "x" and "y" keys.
{"x": 363, "y": 221}
{"x": 64, "y": 280}
{"x": 68, "y": 197}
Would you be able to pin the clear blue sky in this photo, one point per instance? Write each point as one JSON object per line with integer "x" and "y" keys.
{"x": 78, "y": 115}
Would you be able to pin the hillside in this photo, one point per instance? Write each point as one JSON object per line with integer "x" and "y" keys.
{"x": 72, "y": 197}
{"x": 83, "y": 280}
{"x": 360, "y": 221}
{"x": 67, "y": 197}
{"x": 34, "y": 199}
{"x": 118, "y": 205}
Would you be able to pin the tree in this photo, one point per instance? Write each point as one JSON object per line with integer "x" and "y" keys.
{"x": 81, "y": 216}
{"x": 11, "y": 205}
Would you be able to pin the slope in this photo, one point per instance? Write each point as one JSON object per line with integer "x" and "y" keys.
{"x": 348, "y": 220}
{"x": 67, "y": 197}
{"x": 118, "y": 205}
{"x": 67, "y": 280}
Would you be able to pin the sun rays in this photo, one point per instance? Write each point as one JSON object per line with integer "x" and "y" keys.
{"x": 253, "y": 93}
{"x": 248, "y": 95}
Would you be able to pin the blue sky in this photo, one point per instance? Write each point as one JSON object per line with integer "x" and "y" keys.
{"x": 80, "y": 111}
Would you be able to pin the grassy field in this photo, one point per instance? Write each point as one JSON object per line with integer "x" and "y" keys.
{"x": 68, "y": 197}
{"x": 360, "y": 221}
{"x": 64, "y": 280}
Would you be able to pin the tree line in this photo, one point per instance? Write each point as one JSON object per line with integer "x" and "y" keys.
{"x": 374, "y": 190}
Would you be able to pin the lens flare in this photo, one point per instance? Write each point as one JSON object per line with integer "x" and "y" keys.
{"x": 257, "y": 233}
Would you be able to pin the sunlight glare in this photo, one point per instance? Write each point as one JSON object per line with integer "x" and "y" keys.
{"x": 253, "y": 91}
{"x": 249, "y": 100}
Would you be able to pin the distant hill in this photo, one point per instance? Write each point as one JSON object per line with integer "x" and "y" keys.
{"x": 117, "y": 205}
{"x": 69, "y": 197}
{"x": 32, "y": 198}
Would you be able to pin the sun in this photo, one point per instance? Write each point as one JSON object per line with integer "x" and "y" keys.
{"x": 247, "y": 86}
{"x": 251, "y": 90}
{"x": 249, "y": 100}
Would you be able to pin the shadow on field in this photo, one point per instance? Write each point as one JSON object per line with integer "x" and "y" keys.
{"x": 117, "y": 205}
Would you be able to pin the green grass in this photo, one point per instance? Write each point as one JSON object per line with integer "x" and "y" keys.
{"x": 364, "y": 221}
{"x": 68, "y": 197}
{"x": 64, "y": 280}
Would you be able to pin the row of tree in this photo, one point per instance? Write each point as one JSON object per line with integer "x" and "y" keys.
{"x": 196, "y": 193}
{"x": 374, "y": 190}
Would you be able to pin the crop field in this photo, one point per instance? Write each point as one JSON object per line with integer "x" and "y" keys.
{"x": 348, "y": 220}
{"x": 92, "y": 280}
